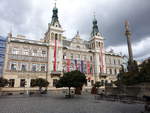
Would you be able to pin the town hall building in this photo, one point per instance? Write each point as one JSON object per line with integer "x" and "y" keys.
{"x": 54, "y": 55}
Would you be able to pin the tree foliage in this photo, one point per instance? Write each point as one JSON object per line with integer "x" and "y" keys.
{"x": 3, "y": 82}
{"x": 98, "y": 84}
{"x": 40, "y": 82}
{"x": 72, "y": 79}
{"x": 139, "y": 75}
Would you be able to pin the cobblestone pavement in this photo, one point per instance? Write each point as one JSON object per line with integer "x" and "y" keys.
{"x": 56, "y": 103}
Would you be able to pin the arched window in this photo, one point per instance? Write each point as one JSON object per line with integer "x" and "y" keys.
{"x": 56, "y": 36}
{"x": 52, "y": 36}
{"x": 59, "y": 37}
{"x": 115, "y": 71}
{"x": 114, "y": 61}
{"x": 110, "y": 71}
{"x": 99, "y": 44}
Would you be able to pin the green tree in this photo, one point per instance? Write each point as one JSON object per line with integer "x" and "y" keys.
{"x": 3, "y": 82}
{"x": 144, "y": 74}
{"x": 72, "y": 79}
{"x": 40, "y": 82}
{"x": 138, "y": 75}
{"x": 97, "y": 84}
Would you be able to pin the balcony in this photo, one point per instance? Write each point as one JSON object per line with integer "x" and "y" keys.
{"x": 56, "y": 74}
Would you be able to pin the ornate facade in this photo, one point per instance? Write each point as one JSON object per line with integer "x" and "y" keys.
{"x": 51, "y": 57}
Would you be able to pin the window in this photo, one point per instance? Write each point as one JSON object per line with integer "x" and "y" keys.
{"x": 102, "y": 45}
{"x": 91, "y": 58}
{"x": 43, "y": 53}
{"x": 110, "y": 71}
{"x": 64, "y": 56}
{"x": 11, "y": 83}
{"x": 114, "y": 61}
{"x": 107, "y": 71}
{"x": 54, "y": 82}
{"x": 52, "y": 36}
{"x": 26, "y": 52}
{"x": 92, "y": 82}
{"x": 106, "y": 82}
{"x": 34, "y": 52}
{"x": 119, "y": 61}
{"x": 110, "y": 60}
{"x": 15, "y": 51}
{"x": 71, "y": 55}
{"x": 23, "y": 67}
{"x": 78, "y": 47}
{"x": 33, "y": 67}
{"x": 56, "y": 37}
{"x": 115, "y": 71}
{"x": 43, "y": 67}
{"x": 22, "y": 83}
{"x": 13, "y": 66}
{"x": 102, "y": 82}
{"x": 99, "y": 44}
{"x": 84, "y": 57}
{"x": 59, "y": 37}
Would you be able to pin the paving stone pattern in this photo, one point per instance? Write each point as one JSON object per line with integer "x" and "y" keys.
{"x": 56, "y": 103}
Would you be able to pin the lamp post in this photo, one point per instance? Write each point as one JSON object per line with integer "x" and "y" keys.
{"x": 27, "y": 84}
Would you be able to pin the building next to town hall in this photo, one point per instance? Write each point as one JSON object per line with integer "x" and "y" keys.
{"x": 54, "y": 55}
{"x": 2, "y": 53}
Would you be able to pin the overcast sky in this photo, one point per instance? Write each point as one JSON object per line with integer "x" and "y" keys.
{"x": 31, "y": 18}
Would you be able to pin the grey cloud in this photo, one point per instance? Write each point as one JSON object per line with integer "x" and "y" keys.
{"x": 111, "y": 19}
{"x": 15, "y": 11}
{"x": 111, "y": 14}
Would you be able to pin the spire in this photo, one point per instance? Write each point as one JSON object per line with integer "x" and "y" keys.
{"x": 77, "y": 35}
{"x": 55, "y": 16}
{"x": 95, "y": 30}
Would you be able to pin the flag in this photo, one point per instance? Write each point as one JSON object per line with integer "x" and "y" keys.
{"x": 76, "y": 65}
{"x": 55, "y": 48}
{"x": 88, "y": 67}
{"x": 82, "y": 66}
